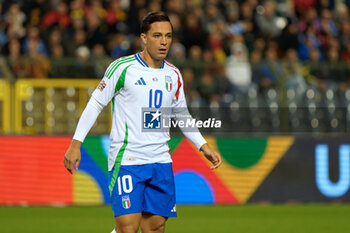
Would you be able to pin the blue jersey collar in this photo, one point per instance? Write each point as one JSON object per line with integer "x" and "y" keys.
{"x": 143, "y": 63}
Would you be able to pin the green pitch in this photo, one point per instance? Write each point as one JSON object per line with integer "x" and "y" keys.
{"x": 306, "y": 218}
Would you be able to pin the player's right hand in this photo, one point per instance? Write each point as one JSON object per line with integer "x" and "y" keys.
{"x": 72, "y": 157}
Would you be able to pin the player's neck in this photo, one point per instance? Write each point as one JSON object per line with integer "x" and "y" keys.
{"x": 150, "y": 61}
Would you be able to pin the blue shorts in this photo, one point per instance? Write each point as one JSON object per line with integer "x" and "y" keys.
{"x": 143, "y": 188}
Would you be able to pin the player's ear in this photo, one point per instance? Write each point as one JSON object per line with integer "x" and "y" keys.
{"x": 143, "y": 38}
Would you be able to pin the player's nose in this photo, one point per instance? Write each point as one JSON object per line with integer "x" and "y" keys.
{"x": 163, "y": 41}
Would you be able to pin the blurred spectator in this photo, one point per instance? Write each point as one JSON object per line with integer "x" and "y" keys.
{"x": 324, "y": 4}
{"x": 137, "y": 10}
{"x": 79, "y": 39}
{"x": 154, "y": 5}
{"x": 57, "y": 51}
{"x": 195, "y": 61}
{"x": 344, "y": 37}
{"x": 268, "y": 22}
{"x": 303, "y": 5}
{"x": 345, "y": 54}
{"x": 223, "y": 85}
{"x": 216, "y": 42}
{"x": 259, "y": 44}
{"x": 100, "y": 60}
{"x": 3, "y": 35}
{"x": 341, "y": 12}
{"x": 77, "y": 24}
{"x": 207, "y": 89}
{"x": 177, "y": 54}
{"x": 35, "y": 17}
{"x": 59, "y": 63}
{"x": 115, "y": 16}
{"x": 211, "y": 66}
{"x": 15, "y": 19}
{"x": 176, "y": 6}
{"x": 289, "y": 38}
{"x": 35, "y": 64}
{"x": 15, "y": 58}
{"x": 1, "y": 10}
{"x": 77, "y": 9}
{"x": 314, "y": 69}
{"x": 39, "y": 9}
{"x": 95, "y": 32}
{"x": 286, "y": 8}
{"x": 177, "y": 26}
{"x": 238, "y": 70}
{"x": 309, "y": 18}
{"x": 328, "y": 28}
{"x": 82, "y": 67}
{"x": 136, "y": 45}
{"x": 118, "y": 45}
{"x": 190, "y": 86}
{"x": 210, "y": 18}
{"x": 95, "y": 9}
{"x": 255, "y": 64}
{"x": 337, "y": 70}
{"x": 55, "y": 38}
{"x": 34, "y": 37}
{"x": 249, "y": 28}
{"x": 308, "y": 42}
{"x": 271, "y": 69}
{"x": 193, "y": 32}
{"x": 5, "y": 71}
{"x": 292, "y": 69}
{"x": 58, "y": 16}
{"x": 241, "y": 21}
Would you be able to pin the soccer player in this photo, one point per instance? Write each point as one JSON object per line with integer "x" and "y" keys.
{"x": 141, "y": 180}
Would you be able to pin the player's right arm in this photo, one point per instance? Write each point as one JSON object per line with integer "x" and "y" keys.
{"x": 86, "y": 121}
{"x": 72, "y": 157}
{"x": 100, "y": 98}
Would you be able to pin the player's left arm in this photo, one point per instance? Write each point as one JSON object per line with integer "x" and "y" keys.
{"x": 212, "y": 155}
{"x": 180, "y": 108}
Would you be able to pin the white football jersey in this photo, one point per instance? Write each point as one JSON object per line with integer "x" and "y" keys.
{"x": 132, "y": 85}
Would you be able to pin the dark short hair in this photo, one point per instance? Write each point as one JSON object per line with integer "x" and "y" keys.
{"x": 151, "y": 17}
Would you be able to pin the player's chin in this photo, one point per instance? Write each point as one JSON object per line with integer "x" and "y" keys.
{"x": 163, "y": 53}
{"x": 161, "y": 56}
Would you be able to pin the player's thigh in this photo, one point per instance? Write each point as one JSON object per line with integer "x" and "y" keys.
{"x": 129, "y": 223}
{"x": 151, "y": 223}
{"x": 127, "y": 191}
{"x": 160, "y": 192}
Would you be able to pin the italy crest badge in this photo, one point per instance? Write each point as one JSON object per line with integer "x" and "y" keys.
{"x": 168, "y": 83}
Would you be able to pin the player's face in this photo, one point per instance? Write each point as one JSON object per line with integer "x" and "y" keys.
{"x": 157, "y": 40}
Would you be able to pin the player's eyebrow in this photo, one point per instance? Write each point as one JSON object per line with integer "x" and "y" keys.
{"x": 160, "y": 33}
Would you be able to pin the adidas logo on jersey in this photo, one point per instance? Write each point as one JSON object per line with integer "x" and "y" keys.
{"x": 173, "y": 209}
{"x": 140, "y": 82}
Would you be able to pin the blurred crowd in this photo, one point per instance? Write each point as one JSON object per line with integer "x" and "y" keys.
{"x": 222, "y": 47}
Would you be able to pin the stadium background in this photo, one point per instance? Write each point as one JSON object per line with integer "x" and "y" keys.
{"x": 275, "y": 72}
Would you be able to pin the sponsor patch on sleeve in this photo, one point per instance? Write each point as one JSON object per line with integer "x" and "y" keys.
{"x": 101, "y": 86}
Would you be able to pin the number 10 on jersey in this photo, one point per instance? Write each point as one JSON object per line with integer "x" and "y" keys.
{"x": 155, "y": 100}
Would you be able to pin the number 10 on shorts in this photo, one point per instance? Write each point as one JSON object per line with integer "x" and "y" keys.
{"x": 124, "y": 182}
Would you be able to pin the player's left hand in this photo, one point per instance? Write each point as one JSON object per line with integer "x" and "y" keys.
{"x": 212, "y": 155}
